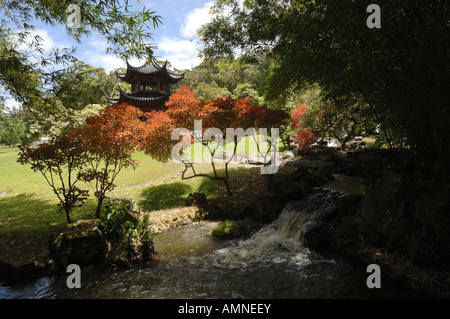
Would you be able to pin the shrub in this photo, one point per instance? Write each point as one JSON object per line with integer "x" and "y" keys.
{"x": 60, "y": 162}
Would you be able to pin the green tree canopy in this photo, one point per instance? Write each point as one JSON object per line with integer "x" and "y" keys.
{"x": 208, "y": 92}
{"x": 401, "y": 69}
{"x": 33, "y": 78}
{"x": 227, "y": 74}
{"x": 12, "y": 128}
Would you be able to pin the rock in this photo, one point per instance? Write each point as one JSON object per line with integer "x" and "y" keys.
{"x": 15, "y": 274}
{"x": 292, "y": 181}
{"x": 82, "y": 243}
{"x": 211, "y": 212}
{"x": 349, "y": 204}
{"x": 287, "y": 154}
{"x": 402, "y": 225}
{"x": 409, "y": 214}
{"x": 265, "y": 209}
{"x": 224, "y": 155}
{"x": 258, "y": 159}
{"x": 126, "y": 253}
{"x": 196, "y": 199}
{"x": 316, "y": 237}
{"x": 242, "y": 160}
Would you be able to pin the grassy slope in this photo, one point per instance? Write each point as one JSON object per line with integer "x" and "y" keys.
{"x": 28, "y": 206}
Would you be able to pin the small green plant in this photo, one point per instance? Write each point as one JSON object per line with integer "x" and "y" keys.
{"x": 141, "y": 231}
{"x": 117, "y": 225}
{"x": 229, "y": 229}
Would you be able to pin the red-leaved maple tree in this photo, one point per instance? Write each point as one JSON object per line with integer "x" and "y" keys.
{"x": 61, "y": 162}
{"x": 110, "y": 139}
{"x": 305, "y": 138}
{"x": 297, "y": 117}
{"x": 183, "y": 109}
{"x": 157, "y": 141}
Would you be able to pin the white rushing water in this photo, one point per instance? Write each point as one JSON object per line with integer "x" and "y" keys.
{"x": 272, "y": 263}
{"x": 275, "y": 243}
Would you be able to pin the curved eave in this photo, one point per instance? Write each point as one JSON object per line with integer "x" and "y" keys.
{"x": 132, "y": 97}
{"x": 111, "y": 100}
{"x": 147, "y": 68}
{"x": 121, "y": 75}
{"x": 150, "y": 69}
{"x": 174, "y": 78}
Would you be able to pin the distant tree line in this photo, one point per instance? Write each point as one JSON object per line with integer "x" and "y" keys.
{"x": 398, "y": 74}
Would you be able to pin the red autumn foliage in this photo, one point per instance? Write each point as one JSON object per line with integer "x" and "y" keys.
{"x": 183, "y": 107}
{"x": 60, "y": 162}
{"x": 157, "y": 141}
{"x": 246, "y": 113}
{"x": 219, "y": 113}
{"x": 305, "y": 138}
{"x": 297, "y": 117}
{"x": 110, "y": 139}
{"x": 272, "y": 119}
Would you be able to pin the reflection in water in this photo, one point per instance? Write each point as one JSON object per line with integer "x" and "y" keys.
{"x": 191, "y": 264}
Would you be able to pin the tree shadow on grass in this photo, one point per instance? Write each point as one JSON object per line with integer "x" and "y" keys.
{"x": 26, "y": 222}
{"x": 30, "y": 214}
{"x": 163, "y": 196}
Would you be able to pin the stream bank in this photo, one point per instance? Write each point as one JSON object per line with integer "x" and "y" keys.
{"x": 271, "y": 263}
{"x": 411, "y": 207}
{"x": 398, "y": 217}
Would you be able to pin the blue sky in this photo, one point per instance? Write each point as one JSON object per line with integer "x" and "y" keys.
{"x": 175, "y": 39}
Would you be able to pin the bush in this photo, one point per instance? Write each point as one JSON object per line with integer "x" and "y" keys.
{"x": 305, "y": 138}
{"x": 230, "y": 229}
{"x": 118, "y": 226}
{"x": 130, "y": 238}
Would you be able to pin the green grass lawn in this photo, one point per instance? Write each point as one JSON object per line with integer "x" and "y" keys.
{"x": 26, "y": 198}
{"x": 28, "y": 207}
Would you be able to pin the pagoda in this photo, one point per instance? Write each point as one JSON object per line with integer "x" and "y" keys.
{"x": 150, "y": 86}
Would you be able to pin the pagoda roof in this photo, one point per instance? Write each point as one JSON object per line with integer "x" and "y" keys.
{"x": 140, "y": 98}
{"x": 150, "y": 68}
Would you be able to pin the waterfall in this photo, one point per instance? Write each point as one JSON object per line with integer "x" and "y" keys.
{"x": 272, "y": 263}
{"x": 281, "y": 241}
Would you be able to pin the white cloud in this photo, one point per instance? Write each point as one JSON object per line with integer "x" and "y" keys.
{"x": 95, "y": 54}
{"x": 195, "y": 19}
{"x": 48, "y": 42}
{"x": 182, "y": 54}
{"x": 11, "y": 104}
{"x": 182, "y": 51}
{"x": 45, "y": 40}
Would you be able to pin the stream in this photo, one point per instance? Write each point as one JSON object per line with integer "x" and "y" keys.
{"x": 272, "y": 263}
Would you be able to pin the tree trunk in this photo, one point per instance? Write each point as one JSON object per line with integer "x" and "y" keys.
{"x": 227, "y": 185}
{"x": 69, "y": 220}
{"x": 99, "y": 206}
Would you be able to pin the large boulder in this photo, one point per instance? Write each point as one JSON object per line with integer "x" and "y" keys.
{"x": 14, "y": 274}
{"x": 126, "y": 253}
{"x": 410, "y": 214}
{"x": 316, "y": 237}
{"x": 82, "y": 243}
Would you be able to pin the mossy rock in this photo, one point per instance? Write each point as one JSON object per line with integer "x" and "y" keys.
{"x": 230, "y": 229}
{"x": 82, "y": 243}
